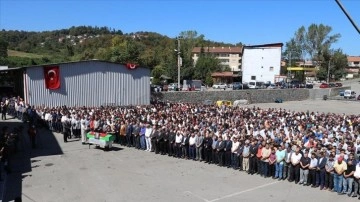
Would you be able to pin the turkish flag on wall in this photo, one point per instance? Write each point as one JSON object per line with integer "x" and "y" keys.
{"x": 52, "y": 77}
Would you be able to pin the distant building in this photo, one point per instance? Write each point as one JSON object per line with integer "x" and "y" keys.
{"x": 353, "y": 61}
{"x": 353, "y": 67}
{"x": 261, "y": 62}
{"x": 230, "y": 56}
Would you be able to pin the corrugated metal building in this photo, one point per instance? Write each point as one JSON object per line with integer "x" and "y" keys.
{"x": 88, "y": 83}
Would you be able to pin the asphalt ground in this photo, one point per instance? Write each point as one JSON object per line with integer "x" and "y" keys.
{"x": 56, "y": 172}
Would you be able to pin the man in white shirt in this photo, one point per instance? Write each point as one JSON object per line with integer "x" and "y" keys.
{"x": 295, "y": 166}
{"x": 148, "y": 132}
{"x": 234, "y": 153}
{"x": 312, "y": 170}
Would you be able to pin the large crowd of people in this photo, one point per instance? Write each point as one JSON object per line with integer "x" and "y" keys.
{"x": 314, "y": 149}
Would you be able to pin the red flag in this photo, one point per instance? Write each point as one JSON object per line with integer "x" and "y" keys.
{"x": 52, "y": 77}
{"x": 131, "y": 66}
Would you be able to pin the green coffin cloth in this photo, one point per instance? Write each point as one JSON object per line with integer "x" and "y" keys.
{"x": 107, "y": 137}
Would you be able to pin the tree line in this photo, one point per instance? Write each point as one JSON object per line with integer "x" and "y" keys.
{"x": 147, "y": 49}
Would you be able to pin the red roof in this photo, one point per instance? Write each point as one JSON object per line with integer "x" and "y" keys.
{"x": 353, "y": 58}
{"x": 218, "y": 49}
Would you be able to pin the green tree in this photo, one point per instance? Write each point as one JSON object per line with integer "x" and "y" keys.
{"x": 313, "y": 41}
{"x": 3, "y": 48}
{"x": 337, "y": 61}
{"x": 156, "y": 74}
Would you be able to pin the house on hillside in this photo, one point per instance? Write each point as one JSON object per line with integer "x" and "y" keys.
{"x": 261, "y": 62}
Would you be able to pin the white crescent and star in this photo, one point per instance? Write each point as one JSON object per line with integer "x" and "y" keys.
{"x": 51, "y": 71}
{"x": 132, "y": 66}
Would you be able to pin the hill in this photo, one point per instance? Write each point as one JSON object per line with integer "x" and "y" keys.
{"x": 149, "y": 49}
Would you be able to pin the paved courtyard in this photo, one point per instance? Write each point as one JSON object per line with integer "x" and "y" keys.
{"x": 58, "y": 171}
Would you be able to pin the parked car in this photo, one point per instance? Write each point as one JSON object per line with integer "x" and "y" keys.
{"x": 239, "y": 86}
{"x": 309, "y": 85}
{"x": 220, "y": 86}
{"x": 174, "y": 87}
{"x": 272, "y": 86}
{"x": 156, "y": 88}
{"x": 341, "y": 93}
{"x": 349, "y": 94}
{"x": 332, "y": 85}
{"x": 324, "y": 85}
{"x": 338, "y": 84}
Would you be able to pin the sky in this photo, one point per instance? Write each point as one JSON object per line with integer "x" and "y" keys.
{"x": 231, "y": 21}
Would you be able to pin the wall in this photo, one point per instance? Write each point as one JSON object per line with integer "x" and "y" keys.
{"x": 256, "y": 96}
{"x": 89, "y": 83}
{"x": 257, "y": 62}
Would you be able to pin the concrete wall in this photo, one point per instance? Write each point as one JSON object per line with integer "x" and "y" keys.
{"x": 320, "y": 92}
{"x": 256, "y": 96}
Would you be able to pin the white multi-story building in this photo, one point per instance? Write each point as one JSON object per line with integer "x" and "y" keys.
{"x": 230, "y": 56}
{"x": 261, "y": 62}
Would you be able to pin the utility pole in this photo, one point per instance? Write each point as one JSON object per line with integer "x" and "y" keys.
{"x": 289, "y": 72}
{"x": 328, "y": 73}
{"x": 178, "y": 61}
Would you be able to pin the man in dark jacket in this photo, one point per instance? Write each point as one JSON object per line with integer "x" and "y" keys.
{"x": 228, "y": 145}
{"x": 129, "y": 131}
{"x": 207, "y": 148}
{"x": 159, "y": 141}
{"x": 220, "y": 147}
{"x": 171, "y": 143}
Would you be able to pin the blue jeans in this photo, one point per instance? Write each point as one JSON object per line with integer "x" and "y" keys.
{"x": 142, "y": 142}
{"x": 348, "y": 182}
{"x": 279, "y": 170}
{"x": 338, "y": 182}
{"x": 192, "y": 151}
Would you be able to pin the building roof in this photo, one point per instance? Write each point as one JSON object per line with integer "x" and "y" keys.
{"x": 353, "y": 58}
{"x": 222, "y": 74}
{"x": 69, "y": 62}
{"x": 228, "y": 49}
{"x": 265, "y": 45}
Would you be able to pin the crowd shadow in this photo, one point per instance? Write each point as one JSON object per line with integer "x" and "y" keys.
{"x": 21, "y": 161}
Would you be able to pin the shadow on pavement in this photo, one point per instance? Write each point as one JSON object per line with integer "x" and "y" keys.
{"x": 21, "y": 161}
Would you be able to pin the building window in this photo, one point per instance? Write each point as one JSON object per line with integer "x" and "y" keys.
{"x": 356, "y": 63}
{"x": 271, "y": 69}
{"x": 223, "y": 55}
{"x": 253, "y": 77}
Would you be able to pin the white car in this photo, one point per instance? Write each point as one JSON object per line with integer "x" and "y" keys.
{"x": 220, "y": 86}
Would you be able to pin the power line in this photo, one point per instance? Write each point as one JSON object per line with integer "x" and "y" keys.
{"x": 347, "y": 15}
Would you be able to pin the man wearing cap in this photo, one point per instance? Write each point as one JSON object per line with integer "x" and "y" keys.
{"x": 339, "y": 167}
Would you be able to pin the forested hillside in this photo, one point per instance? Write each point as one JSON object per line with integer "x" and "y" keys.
{"x": 150, "y": 49}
